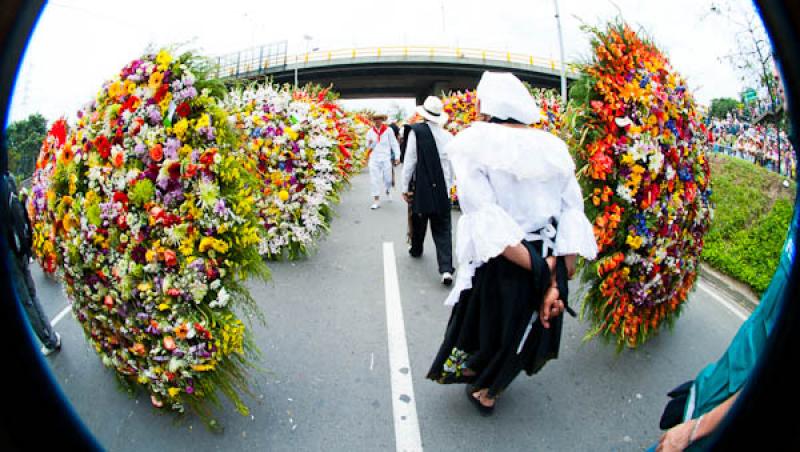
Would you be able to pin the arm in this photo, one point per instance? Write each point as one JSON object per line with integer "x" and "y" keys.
{"x": 395, "y": 147}
{"x": 409, "y": 163}
{"x": 682, "y": 435}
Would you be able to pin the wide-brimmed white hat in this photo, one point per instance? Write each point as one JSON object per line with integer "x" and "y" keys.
{"x": 433, "y": 110}
{"x": 503, "y": 96}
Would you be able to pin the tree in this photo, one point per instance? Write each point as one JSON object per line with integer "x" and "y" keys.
{"x": 23, "y": 141}
{"x": 753, "y": 57}
{"x": 720, "y": 107}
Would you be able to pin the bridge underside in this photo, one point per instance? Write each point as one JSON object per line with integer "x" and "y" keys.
{"x": 401, "y": 78}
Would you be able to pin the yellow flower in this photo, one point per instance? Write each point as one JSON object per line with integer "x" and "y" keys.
{"x": 115, "y": 89}
{"x": 150, "y": 255}
{"x": 283, "y": 195}
{"x": 129, "y": 87}
{"x": 143, "y": 286}
{"x": 210, "y": 242}
{"x": 163, "y": 307}
{"x": 163, "y": 59}
{"x": 156, "y": 78}
{"x": 142, "y": 379}
{"x": 69, "y": 222}
{"x": 164, "y": 104}
{"x": 180, "y": 128}
{"x": 203, "y": 121}
{"x": 291, "y": 133}
{"x": 203, "y": 367}
{"x": 173, "y": 391}
{"x": 634, "y": 241}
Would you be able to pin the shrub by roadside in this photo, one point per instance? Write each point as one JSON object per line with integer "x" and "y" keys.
{"x": 751, "y": 218}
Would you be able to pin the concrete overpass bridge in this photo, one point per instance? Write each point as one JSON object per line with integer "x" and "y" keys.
{"x": 397, "y": 71}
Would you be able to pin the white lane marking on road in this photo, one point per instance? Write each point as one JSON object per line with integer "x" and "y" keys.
{"x": 60, "y": 316}
{"x": 371, "y": 361}
{"x": 738, "y": 312}
{"x": 404, "y": 405}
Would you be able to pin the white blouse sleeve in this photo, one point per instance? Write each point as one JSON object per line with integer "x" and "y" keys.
{"x": 409, "y": 161}
{"x": 575, "y": 234}
{"x": 485, "y": 229}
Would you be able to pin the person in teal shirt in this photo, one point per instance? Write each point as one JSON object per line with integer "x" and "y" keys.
{"x": 717, "y": 386}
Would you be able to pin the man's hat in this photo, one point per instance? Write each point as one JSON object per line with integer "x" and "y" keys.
{"x": 433, "y": 110}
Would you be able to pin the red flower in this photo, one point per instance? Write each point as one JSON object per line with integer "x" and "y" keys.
{"x": 174, "y": 170}
{"x": 183, "y": 109}
{"x": 170, "y": 258}
{"x": 103, "y": 146}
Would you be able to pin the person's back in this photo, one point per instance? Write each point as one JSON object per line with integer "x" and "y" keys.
{"x": 525, "y": 163}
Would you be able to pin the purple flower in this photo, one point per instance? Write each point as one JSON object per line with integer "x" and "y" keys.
{"x": 220, "y": 209}
{"x": 140, "y": 150}
{"x": 154, "y": 114}
{"x": 171, "y": 149}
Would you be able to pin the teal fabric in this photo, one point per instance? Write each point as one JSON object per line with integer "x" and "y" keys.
{"x": 722, "y": 379}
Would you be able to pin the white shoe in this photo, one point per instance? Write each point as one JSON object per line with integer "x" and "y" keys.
{"x": 47, "y": 351}
{"x": 447, "y": 278}
{"x": 374, "y": 206}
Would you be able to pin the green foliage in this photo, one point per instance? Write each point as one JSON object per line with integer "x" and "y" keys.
{"x": 23, "y": 140}
{"x": 720, "y": 107}
{"x": 141, "y": 192}
{"x": 752, "y": 216}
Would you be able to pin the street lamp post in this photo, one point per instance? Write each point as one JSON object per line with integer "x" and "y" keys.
{"x": 561, "y": 47}
{"x": 308, "y": 40}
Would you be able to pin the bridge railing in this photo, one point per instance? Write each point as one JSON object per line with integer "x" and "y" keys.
{"x": 248, "y": 63}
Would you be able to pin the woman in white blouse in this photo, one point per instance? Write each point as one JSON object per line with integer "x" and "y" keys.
{"x": 521, "y": 227}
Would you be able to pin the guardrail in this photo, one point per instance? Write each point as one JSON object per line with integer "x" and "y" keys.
{"x": 239, "y": 63}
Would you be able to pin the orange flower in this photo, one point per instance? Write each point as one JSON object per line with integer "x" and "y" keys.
{"x": 182, "y": 330}
{"x": 157, "y": 152}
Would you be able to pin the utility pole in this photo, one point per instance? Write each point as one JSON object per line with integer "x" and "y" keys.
{"x": 561, "y": 47}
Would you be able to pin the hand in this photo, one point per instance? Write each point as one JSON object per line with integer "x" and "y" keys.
{"x": 551, "y": 306}
{"x": 407, "y": 196}
{"x": 570, "y": 260}
{"x": 676, "y": 438}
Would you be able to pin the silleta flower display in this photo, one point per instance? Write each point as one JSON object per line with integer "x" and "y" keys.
{"x": 166, "y": 196}
{"x": 638, "y": 140}
{"x": 154, "y": 226}
{"x": 303, "y": 151}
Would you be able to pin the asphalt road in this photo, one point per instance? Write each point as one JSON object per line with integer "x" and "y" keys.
{"x": 326, "y": 384}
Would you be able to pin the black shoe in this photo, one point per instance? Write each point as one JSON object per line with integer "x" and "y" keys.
{"x": 413, "y": 254}
{"x": 447, "y": 278}
{"x": 483, "y": 409}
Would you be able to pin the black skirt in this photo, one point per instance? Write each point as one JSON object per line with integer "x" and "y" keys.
{"x": 489, "y": 322}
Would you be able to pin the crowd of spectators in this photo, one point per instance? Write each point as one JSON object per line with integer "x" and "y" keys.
{"x": 763, "y": 145}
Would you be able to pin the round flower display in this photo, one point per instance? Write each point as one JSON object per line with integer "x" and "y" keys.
{"x": 291, "y": 140}
{"x": 639, "y": 142}
{"x": 155, "y": 228}
{"x": 41, "y": 201}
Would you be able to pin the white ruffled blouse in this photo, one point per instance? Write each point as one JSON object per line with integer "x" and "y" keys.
{"x": 510, "y": 182}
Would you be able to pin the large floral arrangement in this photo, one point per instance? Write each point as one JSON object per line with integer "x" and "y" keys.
{"x": 156, "y": 230}
{"x": 638, "y": 141}
{"x": 290, "y": 138}
{"x": 41, "y": 201}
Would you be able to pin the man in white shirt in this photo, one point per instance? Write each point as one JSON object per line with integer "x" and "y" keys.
{"x": 385, "y": 153}
{"x": 427, "y": 167}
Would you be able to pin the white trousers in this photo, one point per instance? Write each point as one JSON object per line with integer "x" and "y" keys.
{"x": 380, "y": 176}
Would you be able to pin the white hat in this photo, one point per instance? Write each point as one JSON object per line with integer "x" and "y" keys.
{"x": 433, "y": 110}
{"x": 503, "y": 96}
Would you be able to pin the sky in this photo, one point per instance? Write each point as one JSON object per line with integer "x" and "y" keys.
{"x": 78, "y": 44}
